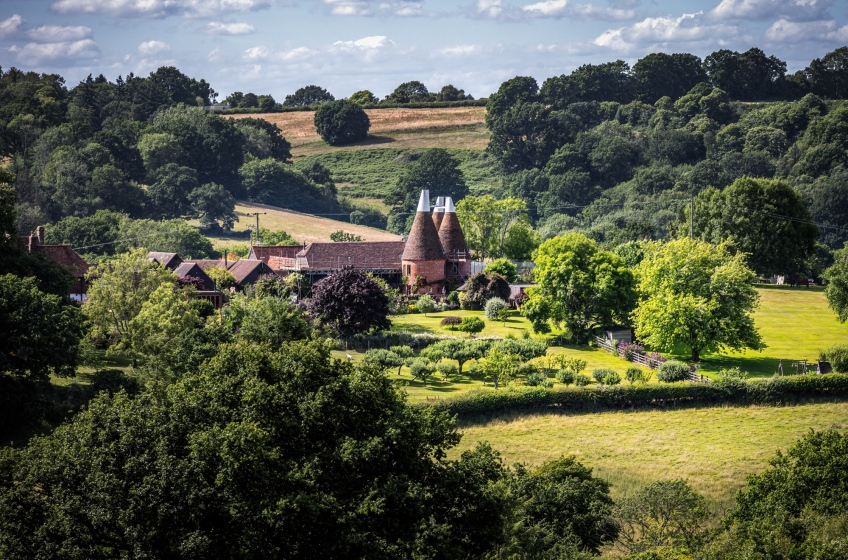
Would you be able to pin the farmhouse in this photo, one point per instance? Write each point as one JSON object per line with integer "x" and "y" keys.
{"x": 61, "y": 254}
{"x": 434, "y": 256}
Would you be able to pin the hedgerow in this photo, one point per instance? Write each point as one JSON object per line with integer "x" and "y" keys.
{"x": 773, "y": 391}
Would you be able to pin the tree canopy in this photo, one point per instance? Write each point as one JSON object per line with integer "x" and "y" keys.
{"x": 341, "y": 122}
{"x": 697, "y": 295}
{"x": 349, "y": 302}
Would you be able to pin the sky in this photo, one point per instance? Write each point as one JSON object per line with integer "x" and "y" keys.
{"x": 276, "y": 46}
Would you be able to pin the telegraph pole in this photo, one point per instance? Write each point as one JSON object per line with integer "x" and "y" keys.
{"x": 258, "y": 241}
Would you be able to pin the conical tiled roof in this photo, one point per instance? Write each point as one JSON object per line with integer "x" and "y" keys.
{"x": 438, "y": 215}
{"x": 450, "y": 232}
{"x": 423, "y": 243}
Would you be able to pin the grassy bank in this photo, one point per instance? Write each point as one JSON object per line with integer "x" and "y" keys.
{"x": 713, "y": 448}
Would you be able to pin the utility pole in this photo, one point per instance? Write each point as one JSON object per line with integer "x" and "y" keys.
{"x": 691, "y": 218}
{"x": 258, "y": 241}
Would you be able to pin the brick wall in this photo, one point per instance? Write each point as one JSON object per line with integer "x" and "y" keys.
{"x": 432, "y": 271}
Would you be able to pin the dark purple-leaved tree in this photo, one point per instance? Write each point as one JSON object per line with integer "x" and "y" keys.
{"x": 350, "y": 303}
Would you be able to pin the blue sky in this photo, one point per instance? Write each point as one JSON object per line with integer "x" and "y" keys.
{"x": 276, "y": 46}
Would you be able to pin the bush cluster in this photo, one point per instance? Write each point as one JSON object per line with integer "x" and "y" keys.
{"x": 672, "y": 371}
{"x": 493, "y": 307}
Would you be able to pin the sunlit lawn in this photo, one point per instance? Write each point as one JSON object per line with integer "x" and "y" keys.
{"x": 795, "y": 323}
{"x": 713, "y": 448}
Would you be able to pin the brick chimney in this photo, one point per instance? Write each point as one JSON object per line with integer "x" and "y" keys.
{"x": 39, "y": 233}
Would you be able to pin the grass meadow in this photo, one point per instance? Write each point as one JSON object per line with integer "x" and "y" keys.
{"x": 714, "y": 449}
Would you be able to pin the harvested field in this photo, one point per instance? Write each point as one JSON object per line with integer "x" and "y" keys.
{"x": 303, "y": 227}
{"x": 447, "y": 127}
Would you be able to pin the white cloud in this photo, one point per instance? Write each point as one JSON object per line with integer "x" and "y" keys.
{"x": 57, "y": 54}
{"x": 58, "y": 33}
{"x": 371, "y": 7}
{"x": 547, "y": 8}
{"x": 221, "y": 28}
{"x": 562, "y": 8}
{"x": 11, "y": 26}
{"x": 460, "y": 50}
{"x": 660, "y": 32}
{"x": 767, "y": 9}
{"x": 149, "y": 48}
{"x": 257, "y": 53}
{"x": 157, "y": 8}
{"x": 785, "y": 31}
{"x": 490, "y": 8}
{"x": 367, "y": 43}
{"x": 349, "y": 7}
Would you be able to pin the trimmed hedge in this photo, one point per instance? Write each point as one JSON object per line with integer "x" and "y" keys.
{"x": 776, "y": 390}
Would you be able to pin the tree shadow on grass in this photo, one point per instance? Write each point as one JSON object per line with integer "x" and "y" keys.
{"x": 410, "y": 327}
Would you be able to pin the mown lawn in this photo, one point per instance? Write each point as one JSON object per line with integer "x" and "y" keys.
{"x": 795, "y": 324}
{"x": 714, "y": 449}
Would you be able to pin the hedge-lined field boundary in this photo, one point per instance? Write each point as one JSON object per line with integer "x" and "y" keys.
{"x": 433, "y": 105}
{"x": 773, "y": 391}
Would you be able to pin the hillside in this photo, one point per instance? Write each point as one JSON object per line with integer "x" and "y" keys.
{"x": 447, "y": 127}
{"x": 303, "y": 227}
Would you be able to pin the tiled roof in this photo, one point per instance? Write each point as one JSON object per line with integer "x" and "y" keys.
{"x": 451, "y": 236}
{"x": 168, "y": 260}
{"x": 192, "y": 269}
{"x": 358, "y": 254}
{"x": 64, "y": 255}
{"x": 207, "y": 263}
{"x": 264, "y": 252}
{"x": 244, "y": 268}
{"x": 423, "y": 243}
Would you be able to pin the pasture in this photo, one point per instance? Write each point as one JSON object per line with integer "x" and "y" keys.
{"x": 714, "y": 449}
{"x": 445, "y": 127}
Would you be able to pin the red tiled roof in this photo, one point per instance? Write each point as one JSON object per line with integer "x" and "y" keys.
{"x": 423, "y": 243}
{"x": 358, "y": 254}
{"x": 64, "y": 255}
{"x": 244, "y": 268}
{"x": 264, "y": 252}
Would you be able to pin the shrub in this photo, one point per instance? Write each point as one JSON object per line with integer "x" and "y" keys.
{"x": 493, "y": 306}
{"x": 601, "y": 373}
{"x": 612, "y": 378}
{"x": 636, "y": 375}
{"x": 483, "y": 287}
{"x": 539, "y": 379}
{"x": 565, "y": 376}
{"x": 341, "y": 122}
{"x": 471, "y": 325}
{"x": 838, "y": 357}
{"x": 581, "y": 380}
{"x": 502, "y": 267}
{"x": 425, "y": 304}
{"x": 732, "y": 374}
{"x": 421, "y": 369}
{"x": 451, "y": 321}
{"x": 672, "y": 371}
{"x": 453, "y": 298}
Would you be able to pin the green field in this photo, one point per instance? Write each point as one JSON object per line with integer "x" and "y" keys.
{"x": 795, "y": 323}
{"x": 714, "y": 449}
{"x": 372, "y": 173}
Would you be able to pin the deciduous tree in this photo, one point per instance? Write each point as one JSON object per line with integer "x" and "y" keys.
{"x": 580, "y": 287}
{"x": 341, "y": 122}
{"x": 696, "y": 295}
{"x": 350, "y": 302}
{"x": 837, "y": 284}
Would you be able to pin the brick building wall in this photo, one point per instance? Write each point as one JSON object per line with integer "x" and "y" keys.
{"x": 433, "y": 271}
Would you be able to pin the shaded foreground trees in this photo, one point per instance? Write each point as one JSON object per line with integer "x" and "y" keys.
{"x": 283, "y": 454}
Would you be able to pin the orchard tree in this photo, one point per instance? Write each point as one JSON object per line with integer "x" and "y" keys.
{"x": 580, "y": 287}
{"x": 752, "y": 214}
{"x": 350, "y": 302}
{"x": 461, "y": 350}
{"x": 696, "y": 295}
{"x": 41, "y": 332}
{"x": 837, "y": 284}
{"x": 500, "y": 365}
{"x": 341, "y": 122}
